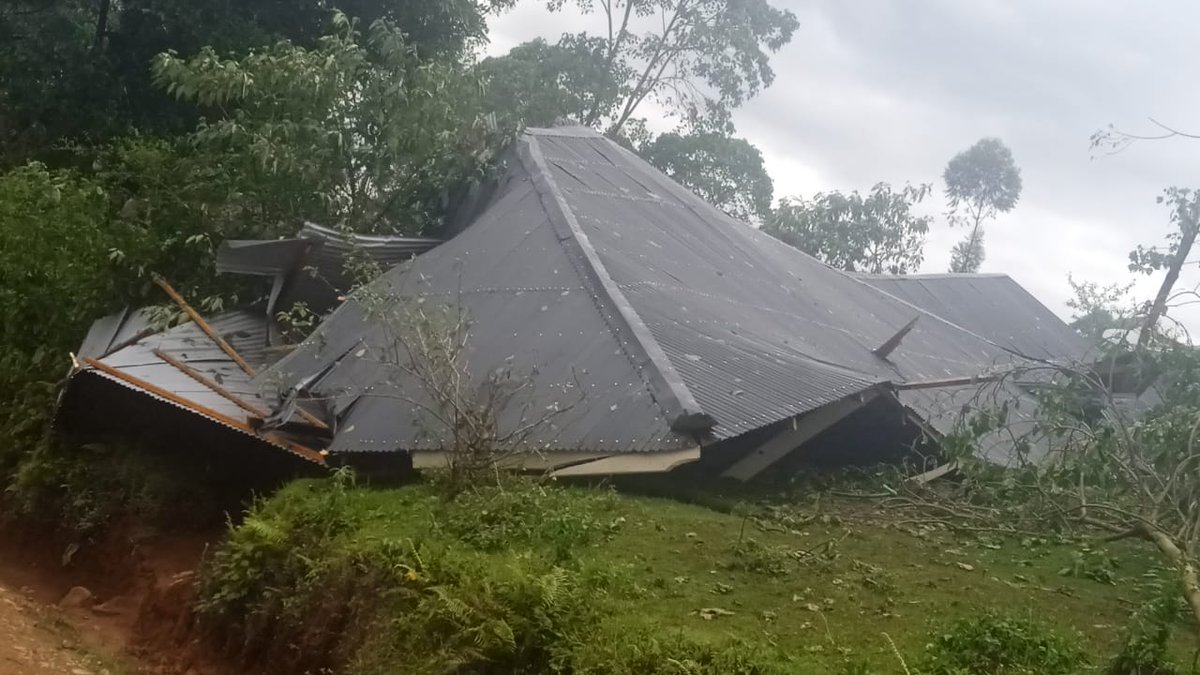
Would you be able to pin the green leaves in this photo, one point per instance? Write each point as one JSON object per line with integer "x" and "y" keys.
{"x": 726, "y": 172}
{"x": 359, "y": 132}
{"x": 875, "y": 232}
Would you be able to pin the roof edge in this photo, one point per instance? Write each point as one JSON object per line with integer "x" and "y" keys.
{"x": 665, "y": 384}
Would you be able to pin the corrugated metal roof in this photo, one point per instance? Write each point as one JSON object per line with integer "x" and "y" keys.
{"x": 589, "y": 262}
{"x": 311, "y": 268}
{"x": 138, "y": 364}
{"x": 993, "y": 306}
{"x": 114, "y": 330}
{"x": 947, "y": 409}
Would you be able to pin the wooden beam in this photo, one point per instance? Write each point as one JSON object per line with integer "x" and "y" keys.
{"x": 800, "y": 431}
{"x": 151, "y": 388}
{"x": 948, "y": 382}
{"x": 204, "y": 326}
{"x": 225, "y": 346}
{"x": 199, "y": 377}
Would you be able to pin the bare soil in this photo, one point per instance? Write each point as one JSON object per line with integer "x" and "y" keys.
{"x": 136, "y": 621}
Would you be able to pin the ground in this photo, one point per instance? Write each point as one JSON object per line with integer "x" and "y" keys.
{"x": 37, "y": 640}
{"x": 828, "y": 582}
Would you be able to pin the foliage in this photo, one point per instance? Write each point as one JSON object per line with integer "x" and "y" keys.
{"x": 1185, "y": 218}
{"x": 876, "y": 232}
{"x": 1144, "y": 651}
{"x": 726, "y": 172}
{"x": 331, "y": 134}
{"x": 54, "y": 279}
{"x": 540, "y": 84}
{"x": 993, "y": 644}
{"x": 698, "y": 59}
{"x": 495, "y": 518}
{"x": 1098, "y": 311}
{"x": 981, "y": 182}
{"x": 421, "y": 600}
{"x": 77, "y": 69}
{"x": 86, "y": 490}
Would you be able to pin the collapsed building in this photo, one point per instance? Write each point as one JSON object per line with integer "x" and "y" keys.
{"x": 638, "y": 329}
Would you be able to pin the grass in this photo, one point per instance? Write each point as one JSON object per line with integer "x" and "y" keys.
{"x": 806, "y": 587}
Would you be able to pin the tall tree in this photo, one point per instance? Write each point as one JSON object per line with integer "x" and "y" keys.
{"x": 727, "y": 172}
{"x": 877, "y": 232}
{"x": 359, "y": 131}
{"x": 697, "y": 58}
{"x": 1185, "y": 217}
{"x": 981, "y": 182}
{"x": 80, "y": 69}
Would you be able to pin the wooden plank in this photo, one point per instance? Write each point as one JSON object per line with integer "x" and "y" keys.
{"x": 149, "y": 387}
{"x": 802, "y": 430}
{"x": 199, "y": 377}
{"x": 204, "y": 326}
{"x": 225, "y": 346}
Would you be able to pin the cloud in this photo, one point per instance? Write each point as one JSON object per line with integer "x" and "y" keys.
{"x": 891, "y": 89}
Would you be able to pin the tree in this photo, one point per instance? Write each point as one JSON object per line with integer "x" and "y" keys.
{"x": 78, "y": 70}
{"x": 876, "y": 232}
{"x": 360, "y": 131}
{"x": 699, "y": 59}
{"x": 538, "y": 83}
{"x": 1185, "y": 216}
{"x": 981, "y": 182}
{"x": 726, "y": 172}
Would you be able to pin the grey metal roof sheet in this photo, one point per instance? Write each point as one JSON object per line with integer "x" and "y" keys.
{"x": 589, "y": 263}
{"x": 948, "y": 409}
{"x": 993, "y": 306}
{"x": 244, "y": 330}
{"x": 112, "y": 331}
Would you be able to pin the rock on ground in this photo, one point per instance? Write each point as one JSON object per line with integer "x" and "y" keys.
{"x": 31, "y": 645}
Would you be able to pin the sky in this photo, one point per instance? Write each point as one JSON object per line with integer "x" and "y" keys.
{"x": 890, "y": 90}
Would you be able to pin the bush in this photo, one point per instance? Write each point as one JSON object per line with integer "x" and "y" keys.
{"x": 992, "y": 644}
{"x": 1144, "y": 651}
{"x": 362, "y": 580}
{"x": 523, "y": 513}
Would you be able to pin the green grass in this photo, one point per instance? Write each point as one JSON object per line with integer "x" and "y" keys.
{"x": 805, "y": 589}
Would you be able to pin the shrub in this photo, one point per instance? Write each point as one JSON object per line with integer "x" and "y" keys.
{"x": 361, "y": 580}
{"x": 991, "y": 644}
{"x": 522, "y": 512}
{"x": 1144, "y": 651}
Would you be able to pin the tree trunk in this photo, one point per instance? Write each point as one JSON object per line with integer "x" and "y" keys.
{"x": 102, "y": 24}
{"x": 1188, "y": 230}
{"x": 1188, "y": 575}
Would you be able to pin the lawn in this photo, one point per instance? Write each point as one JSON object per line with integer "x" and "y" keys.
{"x": 807, "y": 584}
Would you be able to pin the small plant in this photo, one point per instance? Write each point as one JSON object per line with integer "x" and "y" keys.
{"x": 1088, "y": 563}
{"x": 749, "y": 555}
{"x": 522, "y": 512}
{"x": 1145, "y": 648}
{"x": 992, "y": 644}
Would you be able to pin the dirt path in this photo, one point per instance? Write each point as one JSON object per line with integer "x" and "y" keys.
{"x": 34, "y": 640}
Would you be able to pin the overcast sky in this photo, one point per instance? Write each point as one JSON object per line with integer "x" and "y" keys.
{"x": 872, "y": 90}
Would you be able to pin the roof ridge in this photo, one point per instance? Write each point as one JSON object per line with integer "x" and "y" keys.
{"x": 664, "y": 382}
